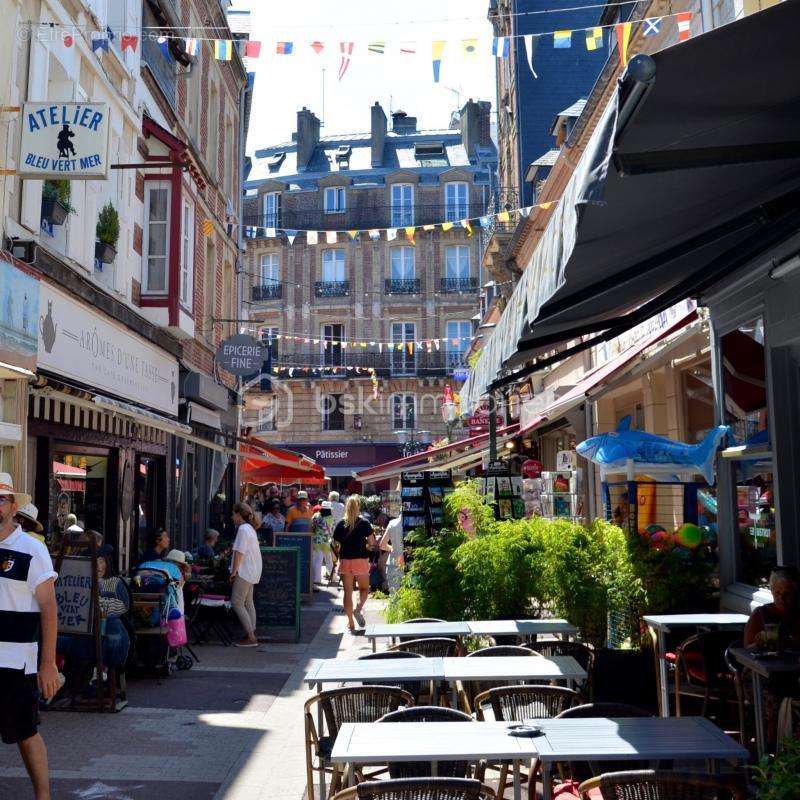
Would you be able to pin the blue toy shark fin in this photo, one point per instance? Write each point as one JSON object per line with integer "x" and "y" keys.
{"x": 624, "y": 423}
{"x": 706, "y": 452}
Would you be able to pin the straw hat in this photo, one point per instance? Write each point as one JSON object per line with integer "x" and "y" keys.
{"x": 31, "y": 513}
{"x": 7, "y": 488}
{"x": 176, "y": 556}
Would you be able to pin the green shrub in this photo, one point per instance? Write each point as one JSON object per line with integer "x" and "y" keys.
{"x": 108, "y": 225}
{"x": 466, "y": 495}
{"x": 778, "y": 778}
{"x": 59, "y": 189}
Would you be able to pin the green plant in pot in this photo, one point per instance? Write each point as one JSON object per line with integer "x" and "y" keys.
{"x": 56, "y": 201}
{"x": 778, "y": 777}
{"x": 105, "y": 249}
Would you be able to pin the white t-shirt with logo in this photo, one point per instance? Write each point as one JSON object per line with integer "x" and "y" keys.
{"x": 24, "y": 565}
{"x": 246, "y": 543}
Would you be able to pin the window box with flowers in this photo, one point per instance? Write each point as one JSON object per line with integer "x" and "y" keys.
{"x": 55, "y": 201}
{"x": 107, "y": 232}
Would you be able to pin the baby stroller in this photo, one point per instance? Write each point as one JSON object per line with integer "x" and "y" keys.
{"x": 158, "y": 621}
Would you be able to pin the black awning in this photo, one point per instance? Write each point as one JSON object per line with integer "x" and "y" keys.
{"x": 703, "y": 175}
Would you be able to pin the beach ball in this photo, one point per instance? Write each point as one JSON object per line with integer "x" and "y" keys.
{"x": 661, "y": 540}
{"x": 689, "y": 536}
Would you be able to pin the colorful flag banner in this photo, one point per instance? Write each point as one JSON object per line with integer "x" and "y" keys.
{"x": 374, "y": 235}
{"x": 379, "y": 48}
{"x": 291, "y": 235}
{"x": 331, "y": 237}
{"x": 503, "y": 216}
{"x": 437, "y": 49}
{"x": 684, "y": 25}
{"x": 271, "y": 233}
{"x": 429, "y": 227}
{"x": 465, "y": 224}
{"x": 501, "y": 47}
{"x": 531, "y": 43}
{"x": 163, "y": 46}
{"x": 284, "y": 48}
{"x": 68, "y": 40}
{"x": 110, "y": 34}
{"x": 252, "y": 49}
{"x": 623, "y": 30}
{"x": 652, "y": 26}
{"x": 594, "y": 38}
{"x": 312, "y": 237}
{"x": 562, "y": 39}
{"x": 346, "y": 50}
{"x": 485, "y": 222}
{"x": 317, "y": 47}
{"x": 99, "y": 42}
{"x": 192, "y": 47}
{"x": 469, "y": 47}
{"x": 223, "y": 49}
{"x": 391, "y": 234}
{"x": 446, "y": 226}
{"x": 410, "y": 233}
{"x": 525, "y": 212}
{"x": 208, "y": 227}
{"x": 128, "y": 41}
{"x": 352, "y": 235}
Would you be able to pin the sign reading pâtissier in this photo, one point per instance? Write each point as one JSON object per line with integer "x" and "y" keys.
{"x": 64, "y": 140}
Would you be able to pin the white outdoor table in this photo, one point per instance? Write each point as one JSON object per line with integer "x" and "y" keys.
{"x": 763, "y": 667}
{"x": 637, "y": 739}
{"x": 533, "y": 627}
{"x": 416, "y": 630}
{"x": 662, "y": 624}
{"x": 386, "y": 670}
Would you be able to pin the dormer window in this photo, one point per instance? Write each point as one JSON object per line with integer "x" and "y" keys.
{"x": 430, "y": 154}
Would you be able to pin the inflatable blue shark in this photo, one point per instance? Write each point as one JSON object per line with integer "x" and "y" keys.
{"x": 613, "y": 451}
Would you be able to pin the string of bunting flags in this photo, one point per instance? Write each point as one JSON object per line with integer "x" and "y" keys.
{"x": 297, "y": 372}
{"x": 593, "y": 38}
{"x": 423, "y": 345}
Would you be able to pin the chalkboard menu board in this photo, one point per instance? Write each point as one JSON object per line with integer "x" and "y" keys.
{"x": 303, "y": 542}
{"x": 74, "y": 599}
{"x": 277, "y": 595}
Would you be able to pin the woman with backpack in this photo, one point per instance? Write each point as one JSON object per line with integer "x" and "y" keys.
{"x": 353, "y": 539}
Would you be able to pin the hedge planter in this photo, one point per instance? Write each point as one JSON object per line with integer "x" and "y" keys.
{"x": 104, "y": 253}
{"x": 54, "y": 212}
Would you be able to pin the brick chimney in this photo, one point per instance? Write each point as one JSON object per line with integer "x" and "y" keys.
{"x": 377, "y": 133}
{"x": 476, "y": 125}
{"x": 307, "y": 137}
{"x": 402, "y": 123}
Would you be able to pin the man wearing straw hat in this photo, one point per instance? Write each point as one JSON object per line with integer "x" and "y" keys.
{"x": 27, "y": 600}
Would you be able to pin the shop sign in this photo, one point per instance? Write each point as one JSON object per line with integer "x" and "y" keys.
{"x": 74, "y": 595}
{"x": 460, "y": 374}
{"x": 566, "y": 460}
{"x": 79, "y": 343}
{"x": 479, "y": 421}
{"x": 241, "y": 355}
{"x": 64, "y": 140}
{"x": 532, "y": 468}
{"x": 19, "y": 314}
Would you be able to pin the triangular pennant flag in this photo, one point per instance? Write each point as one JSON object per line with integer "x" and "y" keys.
{"x": 436, "y": 343}
{"x": 503, "y": 216}
{"x": 284, "y": 48}
{"x": 100, "y": 42}
{"x": 374, "y": 235}
{"x": 437, "y": 49}
{"x": 391, "y": 234}
{"x": 466, "y": 226}
{"x": 409, "y": 229}
{"x": 652, "y": 26}
{"x": 429, "y": 227}
{"x": 684, "y": 25}
{"x": 546, "y": 206}
{"x": 485, "y": 222}
{"x": 110, "y": 34}
{"x": 380, "y": 347}
{"x": 469, "y": 47}
{"x": 446, "y": 226}
{"x": 410, "y": 348}
{"x": 317, "y": 47}
{"x": 623, "y": 40}
{"x": 271, "y": 233}
{"x": 127, "y": 40}
{"x": 252, "y": 49}
{"x": 346, "y": 50}
{"x": 291, "y": 236}
{"x": 594, "y": 38}
{"x": 331, "y": 237}
{"x": 67, "y": 39}
{"x": 501, "y": 47}
{"x": 223, "y": 49}
{"x": 524, "y": 212}
{"x": 531, "y": 42}
{"x": 312, "y": 237}
{"x": 562, "y": 39}
{"x": 352, "y": 234}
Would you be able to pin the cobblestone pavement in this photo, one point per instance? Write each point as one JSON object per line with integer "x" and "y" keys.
{"x": 231, "y": 728}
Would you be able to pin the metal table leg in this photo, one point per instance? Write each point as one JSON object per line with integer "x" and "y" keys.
{"x": 517, "y": 782}
{"x": 547, "y": 780}
{"x": 374, "y": 645}
{"x": 663, "y": 684}
{"x": 758, "y": 711}
{"x": 434, "y": 769}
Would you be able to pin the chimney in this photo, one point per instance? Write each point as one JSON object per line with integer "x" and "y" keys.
{"x": 475, "y": 125}
{"x": 402, "y": 123}
{"x": 307, "y": 137}
{"x": 377, "y": 133}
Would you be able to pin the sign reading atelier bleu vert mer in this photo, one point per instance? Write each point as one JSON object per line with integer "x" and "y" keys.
{"x": 241, "y": 355}
{"x": 64, "y": 140}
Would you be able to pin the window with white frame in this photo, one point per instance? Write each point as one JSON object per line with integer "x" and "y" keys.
{"x": 456, "y": 204}
{"x": 332, "y": 336}
{"x": 404, "y": 350}
{"x": 334, "y": 200}
{"x": 270, "y": 269}
{"x": 156, "y": 236}
{"x": 458, "y": 335}
{"x": 333, "y": 270}
{"x": 457, "y": 262}
{"x": 269, "y": 338}
{"x": 272, "y": 210}
{"x": 404, "y": 412}
{"x": 187, "y": 253}
{"x": 402, "y": 205}
{"x": 402, "y": 263}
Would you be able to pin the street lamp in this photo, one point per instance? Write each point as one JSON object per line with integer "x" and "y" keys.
{"x": 449, "y": 411}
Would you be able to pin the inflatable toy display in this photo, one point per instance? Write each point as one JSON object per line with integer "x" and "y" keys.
{"x": 661, "y": 540}
{"x": 688, "y": 536}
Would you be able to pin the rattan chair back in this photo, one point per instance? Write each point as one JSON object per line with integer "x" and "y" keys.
{"x": 424, "y": 789}
{"x": 434, "y": 647}
{"x": 665, "y": 785}
{"x": 517, "y": 703}
{"x": 414, "y": 688}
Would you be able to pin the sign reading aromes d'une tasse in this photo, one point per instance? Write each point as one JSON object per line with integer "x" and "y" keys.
{"x": 64, "y": 140}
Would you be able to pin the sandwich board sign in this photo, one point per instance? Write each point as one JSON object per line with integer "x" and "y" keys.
{"x": 64, "y": 140}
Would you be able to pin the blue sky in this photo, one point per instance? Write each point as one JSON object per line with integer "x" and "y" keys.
{"x": 285, "y": 84}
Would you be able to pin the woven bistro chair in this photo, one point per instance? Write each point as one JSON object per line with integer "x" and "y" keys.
{"x": 416, "y": 621}
{"x": 336, "y": 707}
{"x": 582, "y": 653}
{"x": 518, "y": 703}
{"x": 664, "y": 785}
{"x": 419, "y": 789}
{"x": 414, "y": 688}
{"x": 435, "y": 647}
{"x": 469, "y": 690}
{"x": 422, "y": 769}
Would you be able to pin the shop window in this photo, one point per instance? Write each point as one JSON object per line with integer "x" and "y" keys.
{"x": 79, "y": 487}
{"x": 332, "y": 412}
{"x": 745, "y": 410}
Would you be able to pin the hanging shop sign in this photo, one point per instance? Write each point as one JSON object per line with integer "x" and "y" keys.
{"x": 79, "y": 343}
{"x": 241, "y": 355}
{"x": 64, "y": 140}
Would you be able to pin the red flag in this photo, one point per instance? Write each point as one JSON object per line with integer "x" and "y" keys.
{"x": 67, "y": 39}
{"x": 317, "y": 47}
{"x": 684, "y": 25}
{"x": 252, "y": 49}
{"x": 623, "y": 38}
{"x": 346, "y": 49}
{"x": 128, "y": 40}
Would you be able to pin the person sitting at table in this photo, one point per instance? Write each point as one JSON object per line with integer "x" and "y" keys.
{"x": 206, "y": 550}
{"x": 777, "y": 624}
{"x": 157, "y": 546}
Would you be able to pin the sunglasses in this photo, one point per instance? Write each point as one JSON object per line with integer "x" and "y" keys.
{"x": 5, "y": 499}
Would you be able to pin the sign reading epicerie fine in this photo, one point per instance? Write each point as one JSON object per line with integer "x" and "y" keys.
{"x": 77, "y": 342}
{"x": 64, "y": 140}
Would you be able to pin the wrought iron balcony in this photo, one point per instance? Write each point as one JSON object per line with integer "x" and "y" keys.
{"x": 458, "y": 285}
{"x": 401, "y": 286}
{"x": 332, "y": 288}
{"x": 270, "y": 291}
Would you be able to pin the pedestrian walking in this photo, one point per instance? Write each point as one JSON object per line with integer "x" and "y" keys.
{"x": 337, "y": 508}
{"x": 245, "y": 572}
{"x": 273, "y": 517}
{"x": 354, "y": 538}
{"x": 298, "y": 518}
{"x": 322, "y": 530}
{"x": 27, "y": 602}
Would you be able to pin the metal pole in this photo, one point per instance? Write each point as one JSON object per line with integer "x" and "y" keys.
{"x": 492, "y": 428}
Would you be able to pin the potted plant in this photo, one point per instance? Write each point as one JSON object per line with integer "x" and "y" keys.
{"x": 105, "y": 249}
{"x": 778, "y": 777}
{"x": 55, "y": 201}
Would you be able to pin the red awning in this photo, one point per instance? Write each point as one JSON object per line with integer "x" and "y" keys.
{"x": 271, "y": 464}
{"x": 69, "y": 478}
{"x": 72, "y": 484}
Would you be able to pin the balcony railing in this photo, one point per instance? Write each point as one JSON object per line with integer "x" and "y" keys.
{"x": 401, "y": 286}
{"x": 332, "y": 288}
{"x": 457, "y": 285}
{"x": 270, "y": 291}
{"x": 394, "y": 363}
{"x": 361, "y": 217}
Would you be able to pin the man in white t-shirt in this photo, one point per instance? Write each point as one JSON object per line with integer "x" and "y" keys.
{"x": 337, "y": 508}
{"x": 27, "y": 598}
{"x": 245, "y": 572}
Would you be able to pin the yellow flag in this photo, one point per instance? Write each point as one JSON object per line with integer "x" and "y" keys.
{"x": 410, "y": 233}
{"x": 208, "y": 227}
{"x": 446, "y": 226}
{"x": 503, "y": 216}
{"x": 352, "y": 234}
{"x": 623, "y": 39}
{"x": 546, "y": 206}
